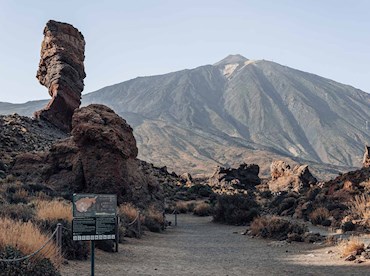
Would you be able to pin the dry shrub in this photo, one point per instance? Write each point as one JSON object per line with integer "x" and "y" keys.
{"x": 235, "y": 209}
{"x": 27, "y": 238}
{"x": 319, "y": 215}
{"x": 352, "y": 246}
{"x": 331, "y": 240}
{"x": 21, "y": 193}
{"x": 17, "y": 212}
{"x": 202, "y": 209}
{"x": 128, "y": 212}
{"x": 184, "y": 206}
{"x": 360, "y": 208}
{"x": 277, "y": 228}
{"x": 154, "y": 219}
{"x": 53, "y": 210}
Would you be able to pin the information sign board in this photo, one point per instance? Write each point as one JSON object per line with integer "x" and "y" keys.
{"x": 94, "y": 217}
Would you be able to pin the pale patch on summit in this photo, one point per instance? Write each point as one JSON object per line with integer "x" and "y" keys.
{"x": 229, "y": 69}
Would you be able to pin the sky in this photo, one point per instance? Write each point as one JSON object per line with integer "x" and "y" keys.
{"x": 126, "y": 39}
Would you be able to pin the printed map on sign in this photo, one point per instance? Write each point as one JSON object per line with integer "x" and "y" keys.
{"x": 83, "y": 204}
{"x": 92, "y": 205}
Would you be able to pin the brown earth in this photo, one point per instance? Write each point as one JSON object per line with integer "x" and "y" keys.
{"x": 199, "y": 247}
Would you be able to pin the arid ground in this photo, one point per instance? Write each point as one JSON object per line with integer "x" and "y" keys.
{"x": 199, "y": 247}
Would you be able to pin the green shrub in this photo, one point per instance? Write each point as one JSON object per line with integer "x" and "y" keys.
{"x": 235, "y": 209}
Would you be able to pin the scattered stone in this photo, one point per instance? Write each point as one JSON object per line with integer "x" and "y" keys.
{"x": 358, "y": 261}
{"x": 329, "y": 252}
{"x": 350, "y": 258}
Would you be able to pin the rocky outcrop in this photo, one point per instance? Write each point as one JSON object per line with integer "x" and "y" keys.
{"x": 20, "y": 135}
{"x": 286, "y": 179}
{"x": 61, "y": 70}
{"x": 244, "y": 177}
{"x": 366, "y": 159}
{"x": 99, "y": 157}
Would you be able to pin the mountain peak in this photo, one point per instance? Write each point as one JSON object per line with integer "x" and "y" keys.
{"x": 231, "y": 59}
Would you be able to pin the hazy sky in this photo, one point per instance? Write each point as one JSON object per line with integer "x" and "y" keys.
{"x": 126, "y": 39}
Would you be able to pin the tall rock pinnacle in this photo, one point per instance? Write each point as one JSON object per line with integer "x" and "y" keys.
{"x": 62, "y": 71}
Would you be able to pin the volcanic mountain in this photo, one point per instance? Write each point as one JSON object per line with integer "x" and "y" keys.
{"x": 238, "y": 110}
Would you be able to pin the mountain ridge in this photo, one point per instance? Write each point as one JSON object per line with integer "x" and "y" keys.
{"x": 227, "y": 112}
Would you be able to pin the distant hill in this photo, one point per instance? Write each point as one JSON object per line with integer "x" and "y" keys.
{"x": 238, "y": 110}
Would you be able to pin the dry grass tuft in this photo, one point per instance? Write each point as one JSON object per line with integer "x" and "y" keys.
{"x": 360, "y": 208}
{"x": 202, "y": 209}
{"x": 155, "y": 215}
{"x": 319, "y": 215}
{"x": 21, "y": 193}
{"x": 53, "y": 210}
{"x": 27, "y": 238}
{"x": 184, "y": 206}
{"x": 352, "y": 246}
{"x": 128, "y": 211}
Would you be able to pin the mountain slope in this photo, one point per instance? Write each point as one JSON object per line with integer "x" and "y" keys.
{"x": 241, "y": 110}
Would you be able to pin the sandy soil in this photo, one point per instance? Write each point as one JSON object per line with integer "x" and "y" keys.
{"x": 199, "y": 247}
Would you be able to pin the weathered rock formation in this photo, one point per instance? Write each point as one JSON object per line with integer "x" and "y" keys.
{"x": 99, "y": 157}
{"x": 286, "y": 179}
{"x": 366, "y": 159}
{"x": 244, "y": 177}
{"x": 61, "y": 70}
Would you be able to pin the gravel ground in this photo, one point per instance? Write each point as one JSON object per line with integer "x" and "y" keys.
{"x": 199, "y": 247}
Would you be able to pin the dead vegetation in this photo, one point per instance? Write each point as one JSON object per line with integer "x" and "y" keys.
{"x": 27, "y": 238}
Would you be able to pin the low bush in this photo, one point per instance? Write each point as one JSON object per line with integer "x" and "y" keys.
{"x": 72, "y": 250}
{"x": 319, "y": 216}
{"x": 27, "y": 238}
{"x": 360, "y": 208}
{"x": 128, "y": 212}
{"x": 53, "y": 210}
{"x": 17, "y": 212}
{"x": 277, "y": 228}
{"x": 235, "y": 209}
{"x": 352, "y": 246}
{"x": 200, "y": 190}
{"x": 154, "y": 219}
{"x": 202, "y": 209}
{"x": 184, "y": 207}
{"x": 34, "y": 266}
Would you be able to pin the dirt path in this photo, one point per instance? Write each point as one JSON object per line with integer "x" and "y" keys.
{"x": 199, "y": 247}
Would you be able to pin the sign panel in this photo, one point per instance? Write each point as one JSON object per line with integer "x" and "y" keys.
{"x": 94, "y": 217}
{"x": 99, "y": 228}
{"x": 94, "y": 205}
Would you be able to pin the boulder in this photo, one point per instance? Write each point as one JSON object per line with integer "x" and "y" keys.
{"x": 61, "y": 70}
{"x": 283, "y": 178}
{"x": 243, "y": 177}
{"x": 99, "y": 157}
{"x": 366, "y": 159}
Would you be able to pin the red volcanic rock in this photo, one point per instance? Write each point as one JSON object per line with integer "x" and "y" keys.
{"x": 99, "y": 157}
{"x": 61, "y": 70}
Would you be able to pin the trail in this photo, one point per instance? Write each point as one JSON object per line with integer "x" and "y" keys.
{"x": 199, "y": 247}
